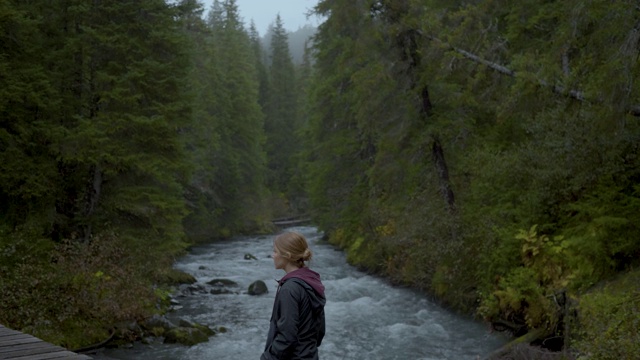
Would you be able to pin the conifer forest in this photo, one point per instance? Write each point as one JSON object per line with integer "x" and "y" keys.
{"x": 486, "y": 152}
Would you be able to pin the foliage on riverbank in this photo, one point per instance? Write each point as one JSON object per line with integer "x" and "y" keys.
{"x": 485, "y": 152}
{"x": 608, "y": 323}
{"x": 72, "y": 293}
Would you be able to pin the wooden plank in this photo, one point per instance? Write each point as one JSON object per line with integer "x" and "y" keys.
{"x": 29, "y": 351}
{"x": 50, "y": 355}
{"x": 9, "y": 337}
{"x": 10, "y": 333}
{"x": 20, "y": 340}
{"x": 24, "y": 347}
{"x": 7, "y": 334}
{"x": 63, "y": 354}
{"x": 15, "y": 345}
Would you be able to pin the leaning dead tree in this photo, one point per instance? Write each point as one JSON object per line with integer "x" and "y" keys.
{"x": 575, "y": 94}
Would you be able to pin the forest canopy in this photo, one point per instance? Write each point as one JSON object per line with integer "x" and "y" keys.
{"x": 486, "y": 152}
{"x": 129, "y": 131}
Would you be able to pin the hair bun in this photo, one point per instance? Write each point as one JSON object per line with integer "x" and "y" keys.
{"x": 307, "y": 255}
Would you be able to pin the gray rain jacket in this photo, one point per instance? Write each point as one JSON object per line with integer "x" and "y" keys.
{"x": 297, "y": 321}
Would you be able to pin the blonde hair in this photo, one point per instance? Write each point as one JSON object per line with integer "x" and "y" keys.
{"x": 293, "y": 247}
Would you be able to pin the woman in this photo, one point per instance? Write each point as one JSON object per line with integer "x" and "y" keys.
{"x": 297, "y": 321}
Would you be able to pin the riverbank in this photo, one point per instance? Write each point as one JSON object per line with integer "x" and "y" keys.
{"x": 367, "y": 316}
{"x": 598, "y": 322}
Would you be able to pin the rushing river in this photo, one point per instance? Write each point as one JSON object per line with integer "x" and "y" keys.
{"x": 367, "y": 318}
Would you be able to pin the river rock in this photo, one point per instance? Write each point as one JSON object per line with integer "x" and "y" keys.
{"x": 125, "y": 333}
{"x": 185, "y": 323}
{"x": 220, "y": 286}
{"x": 185, "y": 336}
{"x": 130, "y": 327}
{"x": 222, "y": 282}
{"x": 157, "y": 325}
{"x": 186, "y": 290}
{"x": 258, "y": 288}
{"x": 205, "y": 329}
{"x": 173, "y": 301}
{"x": 177, "y": 277}
{"x": 248, "y": 256}
{"x": 220, "y": 291}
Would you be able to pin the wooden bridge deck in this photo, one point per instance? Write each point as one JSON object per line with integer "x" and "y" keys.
{"x": 18, "y": 346}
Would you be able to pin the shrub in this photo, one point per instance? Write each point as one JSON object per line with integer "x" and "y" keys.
{"x": 71, "y": 293}
{"x": 609, "y": 320}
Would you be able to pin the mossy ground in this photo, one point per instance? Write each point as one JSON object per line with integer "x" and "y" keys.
{"x": 608, "y": 319}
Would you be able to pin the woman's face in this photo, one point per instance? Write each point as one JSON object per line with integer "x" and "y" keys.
{"x": 279, "y": 262}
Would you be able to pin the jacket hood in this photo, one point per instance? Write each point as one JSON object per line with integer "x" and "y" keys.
{"x": 307, "y": 275}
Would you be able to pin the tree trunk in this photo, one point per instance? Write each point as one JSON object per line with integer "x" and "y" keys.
{"x": 443, "y": 173}
{"x": 93, "y": 195}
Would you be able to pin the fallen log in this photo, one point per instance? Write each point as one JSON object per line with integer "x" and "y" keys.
{"x": 90, "y": 348}
{"x": 526, "y": 339}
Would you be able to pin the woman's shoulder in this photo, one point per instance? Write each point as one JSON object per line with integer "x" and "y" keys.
{"x": 293, "y": 284}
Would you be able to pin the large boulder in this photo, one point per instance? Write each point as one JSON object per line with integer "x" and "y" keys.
{"x": 205, "y": 329}
{"x": 222, "y": 282}
{"x": 128, "y": 331}
{"x": 122, "y": 336}
{"x": 157, "y": 325}
{"x": 220, "y": 291}
{"x": 220, "y": 286}
{"x": 258, "y": 288}
{"x": 178, "y": 277}
{"x": 185, "y": 336}
{"x": 186, "y": 290}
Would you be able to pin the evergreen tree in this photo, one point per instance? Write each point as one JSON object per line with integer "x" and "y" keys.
{"x": 299, "y": 179}
{"x": 201, "y": 138}
{"x": 127, "y": 134}
{"x": 281, "y": 112}
{"x": 92, "y": 105}
{"x": 444, "y": 131}
{"x": 261, "y": 65}
{"x": 337, "y": 174}
{"x": 109, "y": 129}
{"x": 28, "y": 98}
{"x": 238, "y": 180}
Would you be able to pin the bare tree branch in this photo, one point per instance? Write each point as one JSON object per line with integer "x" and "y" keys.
{"x": 572, "y": 93}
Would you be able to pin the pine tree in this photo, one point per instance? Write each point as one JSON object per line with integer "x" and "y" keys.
{"x": 261, "y": 65}
{"x": 128, "y": 134}
{"x": 237, "y": 181}
{"x": 337, "y": 174}
{"x": 92, "y": 107}
{"x": 28, "y": 98}
{"x": 442, "y": 129}
{"x": 281, "y": 111}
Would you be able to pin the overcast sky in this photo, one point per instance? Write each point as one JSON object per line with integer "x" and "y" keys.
{"x": 264, "y": 12}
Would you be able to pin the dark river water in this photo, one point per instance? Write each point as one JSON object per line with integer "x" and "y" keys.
{"x": 367, "y": 318}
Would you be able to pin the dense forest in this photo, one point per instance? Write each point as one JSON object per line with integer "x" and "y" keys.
{"x": 485, "y": 152}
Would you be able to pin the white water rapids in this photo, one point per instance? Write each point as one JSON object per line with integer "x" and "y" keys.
{"x": 367, "y": 318}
